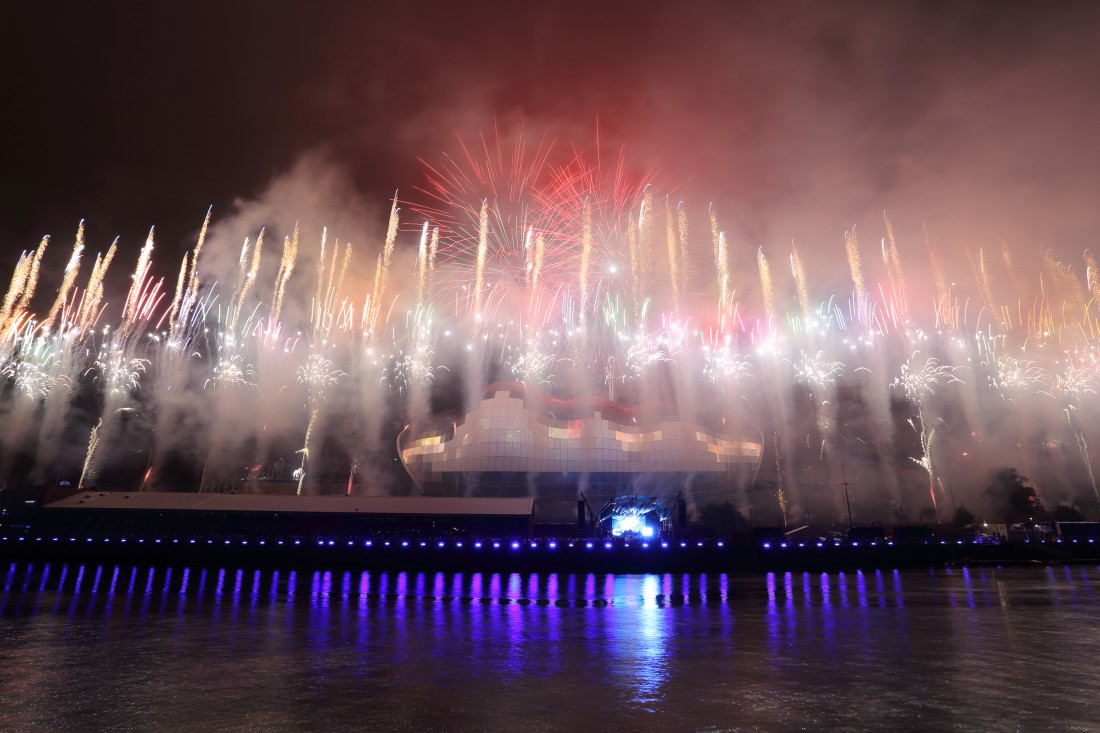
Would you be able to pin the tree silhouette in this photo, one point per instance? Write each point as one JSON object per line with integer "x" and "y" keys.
{"x": 1014, "y": 500}
{"x": 963, "y": 516}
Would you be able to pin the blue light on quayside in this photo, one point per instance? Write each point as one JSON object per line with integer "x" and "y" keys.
{"x": 496, "y": 545}
{"x": 767, "y": 545}
{"x": 477, "y": 545}
{"x": 367, "y": 543}
{"x": 553, "y": 545}
{"x": 607, "y": 545}
{"x": 588, "y": 545}
{"x": 515, "y": 545}
{"x": 458, "y": 544}
{"x": 404, "y": 543}
{"x": 441, "y": 544}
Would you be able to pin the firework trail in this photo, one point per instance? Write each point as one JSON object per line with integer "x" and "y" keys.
{"x": 671, "y": 232}
{"x": 586, "y": 257}
{"x": 422, "y": 265}
{"x": 766, "y": 285}
{"x": 892, "y": 259}
{"x": 286, "y": 269}
{"x": 482, "y": 252}
{"x": 71, "y": 271}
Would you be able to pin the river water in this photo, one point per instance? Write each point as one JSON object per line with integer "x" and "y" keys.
{"x": 117, "y": 647}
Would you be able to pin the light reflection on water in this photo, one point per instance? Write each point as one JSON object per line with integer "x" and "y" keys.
{"x": 107, "y": 646}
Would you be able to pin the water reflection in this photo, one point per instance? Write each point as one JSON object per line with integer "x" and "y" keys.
{"x": 156, "y": 590}
{"x": 633, "y": 642}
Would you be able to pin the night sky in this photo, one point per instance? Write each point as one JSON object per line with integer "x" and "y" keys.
{"x": 799, "y": 120}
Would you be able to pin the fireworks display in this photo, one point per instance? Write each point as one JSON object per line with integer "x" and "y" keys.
{"x": 569, "y": 277}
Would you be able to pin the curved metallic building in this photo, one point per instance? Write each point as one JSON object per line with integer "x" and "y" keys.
{"x": 519, "y": 442}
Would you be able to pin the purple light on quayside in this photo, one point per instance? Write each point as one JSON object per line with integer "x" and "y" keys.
{"x": 477, "y": 545}
{"x": 553, "y": 545}
{"x": 588, "y": 545}
{"x": 515, "y": 545}
{"x": 458, "y": 544}
{"x": 441, "y": 544}
{"x": 496, "y": 545}
{"x": 404, "y": 543}
{"x": 607, "y": 545}
{"x": 767, "y": 545}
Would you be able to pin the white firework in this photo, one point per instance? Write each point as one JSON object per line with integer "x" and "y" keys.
{"x": 817, "y": 372}
{"x": 319, "y": 374}
{"x": 232, "y": 373}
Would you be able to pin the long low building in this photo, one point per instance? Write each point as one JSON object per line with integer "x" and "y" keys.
{"x": 99, "y": 512}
